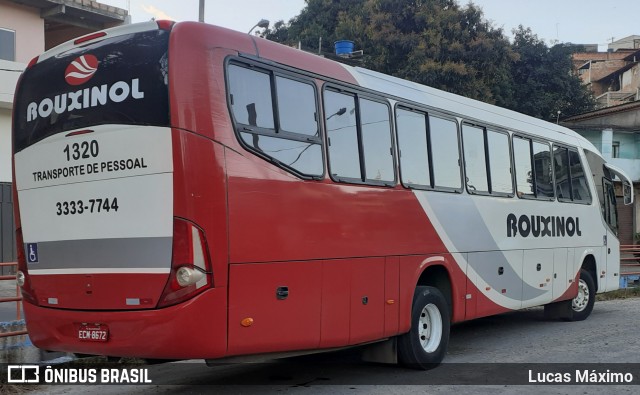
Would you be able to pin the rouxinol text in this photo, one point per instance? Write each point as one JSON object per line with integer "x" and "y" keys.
{"x": 539, "y": 226}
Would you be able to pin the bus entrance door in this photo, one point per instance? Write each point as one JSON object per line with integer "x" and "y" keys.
{"x": 611, "y": 251}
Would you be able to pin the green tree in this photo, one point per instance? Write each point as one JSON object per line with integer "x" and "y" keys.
{"x": 447, "y": 46}
{"x": 544, "y": 79}
{"x": 433, "y": 42}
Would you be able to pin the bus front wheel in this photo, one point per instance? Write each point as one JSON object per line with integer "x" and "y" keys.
{"x": 578, "y": 308}
{"x": 582, "y": 304}
{"x": 425, "y": 345}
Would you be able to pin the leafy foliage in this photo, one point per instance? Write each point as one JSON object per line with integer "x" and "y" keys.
{"x": 444, "y": 45}
{"x": 544, "y": 79}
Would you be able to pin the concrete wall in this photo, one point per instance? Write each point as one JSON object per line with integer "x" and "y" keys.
{"x": 8, "y": 78}
{"x": 628, "y": 42}
{"x": 631, "y": 79}
{"x": 629, "y": 149}
{"x": 29, "y": 28}
{"x": 60, "y": 36}
{"x": 5, "y": 145}
{"x": 594, "y": 137}
{"x": 9, "y": 73}
{"x": 628, "y": 144}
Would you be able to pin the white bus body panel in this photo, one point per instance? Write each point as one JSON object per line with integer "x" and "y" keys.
{"x": 133, "y": 165}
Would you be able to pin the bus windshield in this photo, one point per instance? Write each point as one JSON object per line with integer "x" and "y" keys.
{"x": 99, "y": 83}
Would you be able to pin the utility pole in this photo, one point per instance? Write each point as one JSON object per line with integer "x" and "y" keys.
{"x": 201, "y": 12}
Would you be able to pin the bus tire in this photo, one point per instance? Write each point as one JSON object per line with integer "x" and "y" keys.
{"x": 582, "y": 304}
{"x": 425, "y": 345}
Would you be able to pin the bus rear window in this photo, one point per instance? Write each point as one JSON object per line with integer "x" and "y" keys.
{"x": 119, "y": 80}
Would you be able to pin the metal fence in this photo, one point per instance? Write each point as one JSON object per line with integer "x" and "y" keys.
{"x": 7, "y": 227}
{"x": 17, "y": 298}
{"x": 629, "y": 264}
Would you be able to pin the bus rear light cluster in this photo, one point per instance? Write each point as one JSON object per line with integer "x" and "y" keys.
{"x": 191, "y": 271}
{"x": 22, "y": 275}
{"x": 187, "y": 276}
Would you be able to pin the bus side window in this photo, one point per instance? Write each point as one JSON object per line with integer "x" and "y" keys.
{"x": 376, "y": 141}
{"x": 579, "y": 186}
{"x": 413, "y": 147}
{"x": 286, "y": 131}
{"x": 524, "y": 170}
{"x": 445, "y": 153}
{"x": 610, "y": 212}
{"x": 251, "y": 90}
{"x": 475, "y": 159}
{"x": 342, "y": 133}
{"x": 359, "y": 137}
{"x": 487, "y": 161}
{"x": 561, "y": 167}
{"x": 543, "y": 170}
{"x": 499, "y": 162}
{"x": 296, "y": 106}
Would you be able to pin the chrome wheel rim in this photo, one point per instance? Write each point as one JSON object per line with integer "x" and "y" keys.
{"x": 581, "y": 300}
{"x": 430, "y": 328}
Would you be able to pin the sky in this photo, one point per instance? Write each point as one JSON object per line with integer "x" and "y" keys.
{"x": 568, "y": 21}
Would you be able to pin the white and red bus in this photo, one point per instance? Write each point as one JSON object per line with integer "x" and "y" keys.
{"x": 187, "y": 191}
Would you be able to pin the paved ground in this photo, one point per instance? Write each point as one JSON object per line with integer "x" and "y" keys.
{"x": 608, "y": 338}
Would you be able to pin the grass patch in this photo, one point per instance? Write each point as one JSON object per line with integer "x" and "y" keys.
{"x": 623, "y": 293}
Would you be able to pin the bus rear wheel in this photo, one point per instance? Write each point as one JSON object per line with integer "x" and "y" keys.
{"x": 425, "y": 345}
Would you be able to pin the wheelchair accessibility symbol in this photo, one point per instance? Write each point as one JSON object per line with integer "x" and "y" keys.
{"x": 32, "y": 252}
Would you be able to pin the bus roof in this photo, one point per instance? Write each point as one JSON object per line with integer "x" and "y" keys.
{"x": 469, "y": 109}
{"x": 397, "y": 88}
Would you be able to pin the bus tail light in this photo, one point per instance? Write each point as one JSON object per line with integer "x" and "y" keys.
{"x": 191, "y": 271}
{"x": 89, "y": 37}
{"x": 22, "y": 275}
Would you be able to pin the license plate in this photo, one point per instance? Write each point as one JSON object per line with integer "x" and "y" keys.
{"x": 93, "y": 333}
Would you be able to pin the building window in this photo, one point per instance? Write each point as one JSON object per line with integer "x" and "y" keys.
{"x": 615, "y": 149}
{"x": 7, "y": 44}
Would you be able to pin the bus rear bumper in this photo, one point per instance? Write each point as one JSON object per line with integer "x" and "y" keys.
{"x": 191, "y": 330}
